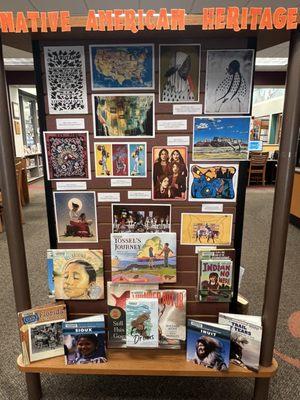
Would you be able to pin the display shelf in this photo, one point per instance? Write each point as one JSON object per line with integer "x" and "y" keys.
{"x": 144, "y": 362}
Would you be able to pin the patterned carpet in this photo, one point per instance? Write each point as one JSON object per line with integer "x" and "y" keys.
{"x": 255, "y": 248}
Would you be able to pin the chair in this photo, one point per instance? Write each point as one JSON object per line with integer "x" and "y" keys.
{"x": 257, "y": 169}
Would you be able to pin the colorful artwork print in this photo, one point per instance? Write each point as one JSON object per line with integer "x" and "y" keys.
{"x": 143, "y": 257}
{"x": 221, "y": 138}
{"x": 169, "y": 173}
{"x": 75, "y": 217}
{"x": 122, "y": 66}
{"x": 206, "y": 229}
{"x": 213, "y": 183}
{"x": 179, "y": 73}
{"x": 123, "y": 115}
{"x": 67, "y": 155}
{"x": 66, "y": 80}
{"x": 228, "y": 84}
{"x": 141, "y": 218}
{"x": 120, "y": 159}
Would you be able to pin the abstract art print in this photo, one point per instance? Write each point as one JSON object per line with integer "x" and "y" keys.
{"x": 66, "y": 79}
{"x": 179, "y": 73}
{"x": 75, "y": 217}
{"x": 122, "y": 67}
{"x": 67, "y": 155}
{"x": 213, "y": 182}
{"x": 220, "y": 138}
{"x": 123, "y": 115}
{"x": 228, "y": 85}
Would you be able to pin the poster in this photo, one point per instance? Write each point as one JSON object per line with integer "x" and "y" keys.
{"x": 179, "y": 73}
{"x": 120, "y": 160}
{"x": 213, "y": 182}
{"x": 228, "y": 85}
{"x": 121, "y": 66}
{"x": 141, "y": 218}
{"x": 206, "y": 229}
{"x": 220, "y": 138}
{"x": 67, "y": 155}
{"x": 123, "y": 115}
{"x": 66, "y": 79}
{"x": 169, "y": 173}
{"x": 75, "y": 217}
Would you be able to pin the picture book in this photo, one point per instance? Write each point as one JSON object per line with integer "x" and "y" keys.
{"x": 142, "y": 323}
{"x": 41, "y": 332}
{"x": 143, "y": 257}
{"x": 84, "y": 340}
{"x": 246, "y": 334}
{"x": 216, "y": 275}
{"x": 171, "y": 314}
{"x": 117, "y": 293}
{"x": 50, "y": 274}
{"x": 78, "y": 274}
{"x": 208, "y": 344}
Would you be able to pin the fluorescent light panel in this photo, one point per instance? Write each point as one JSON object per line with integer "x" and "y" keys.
{"x": 269, "y": 61}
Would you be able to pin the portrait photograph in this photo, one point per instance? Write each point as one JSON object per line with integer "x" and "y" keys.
{"x": 85, "y": 348}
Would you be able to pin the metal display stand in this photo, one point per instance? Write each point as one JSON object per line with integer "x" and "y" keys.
{"x": 162, "y": 362}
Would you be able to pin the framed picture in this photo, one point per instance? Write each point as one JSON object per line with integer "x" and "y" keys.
{"x": 17, "y": 126}
{"x": 228, "y": 85}
{"x": 220, "y": 138}
{"x": 122, "y": 67}
{"x": 123, "y": 115}
{"x": 75, "y": 217}
{"x": 179, "y": 73}
{"x": 15, "y": 110}
{"x": 67, "y": 155}
{"x": 66, "y": 79}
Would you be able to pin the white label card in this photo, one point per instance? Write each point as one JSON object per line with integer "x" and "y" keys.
{"x": 71, "y": 186}
{"x": 178, "y": 140}
{"x": 70, "y": 123}
{"x": 187, "y": 109}
{"x": 212, "y": 207}
{"x": 109, "y": 197}
{"x": 121, "y": 182}
{"x": 204, "y": 248}
{"x": 139, "y": 194}
{"x": 172, "y": 124}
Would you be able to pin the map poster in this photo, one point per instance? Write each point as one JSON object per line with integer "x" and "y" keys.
{"x": 120, "y": 160}
{"x": 123, "y": 115}
{"x": 122, "y": 67}
{"x": 220, "y": 138}
{"x": 75, "y": 217}
{"x": 213, "y": 182}
{"x": 206, "y": 229}
{"x": 67, "y": 155}
{"x": 179, "y": 73}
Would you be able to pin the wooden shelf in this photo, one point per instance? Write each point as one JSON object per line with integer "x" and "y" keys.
{"x": 143, "y": 362}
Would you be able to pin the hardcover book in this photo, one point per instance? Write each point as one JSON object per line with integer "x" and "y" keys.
{"x": 84, "y": 340}
{"x": 246, "y": 333}
{"x": 208, "y": 344}
{"x": 142, "y": 323}
{"x": 41, "y": 332}
{"x": 143, "y": 257}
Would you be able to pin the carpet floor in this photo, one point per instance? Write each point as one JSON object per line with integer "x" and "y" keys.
{"x": 285, "y": 385}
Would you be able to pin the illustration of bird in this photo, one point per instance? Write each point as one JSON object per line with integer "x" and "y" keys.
{"x": 121, "y": 300}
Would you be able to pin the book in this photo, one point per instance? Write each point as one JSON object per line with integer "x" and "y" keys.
{"x": 143, "y": 257}
{"x": 208, "y": 344}
{"x": 142, "y": 323}
{"x": 41, "y": 332}
{"x": 50, "y": 274}
{"x": 77, "y": 274}
{"x": 215, "y": 275}
{"x": 171, "y": 314}
{"x": 117, "y": 293}
{"x": 84, "y": 340}
{"x": 246, "y": 334}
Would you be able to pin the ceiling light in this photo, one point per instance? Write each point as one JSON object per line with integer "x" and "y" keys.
{"x": 268, "y": 61}
{"x": 18, "y": 61}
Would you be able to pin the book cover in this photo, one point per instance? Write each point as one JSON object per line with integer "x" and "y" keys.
{"x": 171, "y": 314}
{"x": 78, "y": 274}
{"x": 143, "y": 257}
{"x": 208, "y": 344}
{"x": 84, "y": 340}
{"x": 116, "y": 302}
{"x": 142, "y": 323}
{"x": 41, "y": 332}
{"x": 50, "y": 274}
{"x": 246, "y": 333}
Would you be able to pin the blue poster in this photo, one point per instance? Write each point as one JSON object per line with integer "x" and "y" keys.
{"x": 138, "y": 160}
